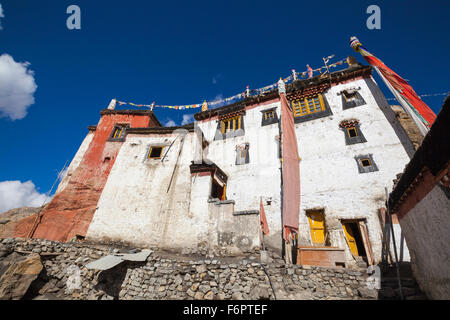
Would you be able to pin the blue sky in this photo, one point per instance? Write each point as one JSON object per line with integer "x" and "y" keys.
{"x": 187, "y": 51}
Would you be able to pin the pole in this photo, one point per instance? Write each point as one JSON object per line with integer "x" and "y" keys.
{"x": 395, "y": 248}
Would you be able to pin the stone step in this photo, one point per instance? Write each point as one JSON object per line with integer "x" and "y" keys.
{"x": 393, "y": 282}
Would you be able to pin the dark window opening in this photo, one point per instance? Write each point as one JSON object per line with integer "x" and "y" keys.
{"x": 365, "y": 162}
{"x": 352, "y": 132}
{"x": 119, "y": 132}
{"x": 217, "y": 191}
{"x": 155, "y": 152}
{"x": 351, "y": 98}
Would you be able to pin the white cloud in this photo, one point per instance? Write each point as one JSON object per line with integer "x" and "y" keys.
{"x": 170, "y": 123}
{"x": 2, "y": 15}
{"x": 187, "y": 118}
{"x": 15, "y": 194}
{"x": 17, "y": 87}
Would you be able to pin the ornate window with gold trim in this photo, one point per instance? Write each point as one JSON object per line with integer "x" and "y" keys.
{"x": 231, "y": 124}
{"x": 308, "y": 105}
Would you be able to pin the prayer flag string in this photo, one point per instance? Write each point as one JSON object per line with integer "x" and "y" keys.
{"x": 245, "y": 94}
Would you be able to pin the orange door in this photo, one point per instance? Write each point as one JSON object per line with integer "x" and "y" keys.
{"x": 350, "y": 238}
{"x": 317, "y": 226}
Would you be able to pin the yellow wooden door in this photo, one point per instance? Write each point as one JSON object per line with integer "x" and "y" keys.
{"x": 350, "y": 239}
{"x": 317, "y": 225}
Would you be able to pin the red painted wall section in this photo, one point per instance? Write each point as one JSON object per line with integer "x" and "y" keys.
{"x": 70, "y": 212}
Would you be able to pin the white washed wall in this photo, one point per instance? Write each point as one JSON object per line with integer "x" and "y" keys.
{"x": 135, "y": 206}
{"x": 426, "y": 229}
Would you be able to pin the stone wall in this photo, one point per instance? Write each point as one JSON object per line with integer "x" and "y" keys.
{"x": 168, "y": 276}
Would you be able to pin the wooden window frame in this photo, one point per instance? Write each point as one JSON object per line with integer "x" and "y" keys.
{"x": 267, "y": 113}
{"x": 365, "y": 159}
{"x": 229, "y": 125}
{"x": 150, "y": 152}
{"x": 119, "y": 132}
{"x": 354, "y": 130}
{"x": 308, "y": 105}
{"x": 372, "y": 167}
{"x": 269, "y": 116}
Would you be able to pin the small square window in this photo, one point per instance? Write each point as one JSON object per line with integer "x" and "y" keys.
{"x": 365, "y": 162}
{"x": 119, "y": 132}
{"x": 155, "y": 152}
{"x": 269, "y": 115}
{"x": 350, "y": 96}
{"x": 352, "y": 132}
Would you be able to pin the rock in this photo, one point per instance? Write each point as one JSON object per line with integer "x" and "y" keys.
{"x": 198, "y": 295}
{"x": 236, "y": 296}
{"x": 368, "y": 293}
{"x": 19, "y": 273}
{"x": 209, "y": 295}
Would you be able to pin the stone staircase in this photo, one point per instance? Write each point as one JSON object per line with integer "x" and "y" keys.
{"x": 389, "y": 283}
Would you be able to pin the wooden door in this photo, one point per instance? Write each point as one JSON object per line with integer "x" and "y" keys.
{"x": 350, "y": 238}
{"x": 317, "y": 226}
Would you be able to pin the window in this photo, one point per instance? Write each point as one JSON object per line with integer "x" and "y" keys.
{"x": 218, "y": 190}
{"x": 352, "y": 132}
{"x": 351, "y": 98}
{"x": 231, "y": 124}
{"x": 155, "y": 152}
{"x": 269, "y": 116}
{"x": 310, "y": 108}
{"x": 119, "y": 132}
{"x": 305, "y": 106}
{"x": 242, "y": 156}
{"x": 366, "y": 164}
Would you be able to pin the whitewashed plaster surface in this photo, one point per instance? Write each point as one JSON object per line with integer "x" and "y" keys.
{"x": 426, "y": 229}
{"x": 135, "y": 206}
